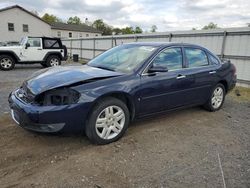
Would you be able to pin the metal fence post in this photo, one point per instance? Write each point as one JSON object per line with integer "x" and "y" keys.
{"x": 81, "y": 48}
{"x": 170, "y": 37}
{"x": 112, "y": 45}
{"x": 71, "y": 49}
{"x": 223, "y": 44}
{"x": 115, "y": 42}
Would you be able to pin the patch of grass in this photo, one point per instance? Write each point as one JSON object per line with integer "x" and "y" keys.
{"x": 240, "y": 94}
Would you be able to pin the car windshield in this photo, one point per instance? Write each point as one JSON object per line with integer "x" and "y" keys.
{"x": 23, "y": 41}
{"x": 123, "y": 58}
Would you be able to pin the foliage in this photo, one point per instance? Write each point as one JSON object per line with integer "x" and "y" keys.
{"x": 153, "y": 28}
{"x": 211, "y": 25}
{"x": 138, "y": 29}
{"x": 50, "y": 18}
{"x": 74, "y": 20}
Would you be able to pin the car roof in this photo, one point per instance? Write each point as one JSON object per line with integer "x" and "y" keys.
{"x": 163, "y": 44}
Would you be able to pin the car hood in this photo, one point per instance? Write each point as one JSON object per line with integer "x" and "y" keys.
{"x": 60, "y": 76}
{"x": 6, "y": 48}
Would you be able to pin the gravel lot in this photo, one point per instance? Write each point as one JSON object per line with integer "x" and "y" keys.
{"x": 188, "y": 148}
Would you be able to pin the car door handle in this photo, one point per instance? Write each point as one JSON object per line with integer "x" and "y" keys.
{"x": 212, "y": 72}
{"x": 39, "y": 48}
{"x": 180, "y": 77}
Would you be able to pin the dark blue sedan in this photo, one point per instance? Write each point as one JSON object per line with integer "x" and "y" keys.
{"x": 127, "y": 82}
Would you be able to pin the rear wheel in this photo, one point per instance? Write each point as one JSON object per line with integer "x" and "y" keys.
{"x": 108, "y": 121}
{"x": 53, "y": 61}
{"x": 216, "y": 99}
{"x": 6, "y": 62}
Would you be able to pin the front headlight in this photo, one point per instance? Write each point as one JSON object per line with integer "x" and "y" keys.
{"x": 56, "y": 97}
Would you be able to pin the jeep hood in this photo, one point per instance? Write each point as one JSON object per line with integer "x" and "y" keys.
{"x": 7, "y": 48}
{"x": 60, "y": 76}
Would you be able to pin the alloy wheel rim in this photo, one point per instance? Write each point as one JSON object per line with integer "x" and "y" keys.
{"x": 6, "y": 63}
{"x": 217, "y": 97}
{"x": 110, "y": 122}
{"x": 54, "y": 62}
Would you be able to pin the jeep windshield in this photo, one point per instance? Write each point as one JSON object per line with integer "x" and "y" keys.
{"x": 124, "y": 58}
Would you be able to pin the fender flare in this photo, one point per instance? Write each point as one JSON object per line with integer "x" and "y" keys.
{"x": 8, "y": 52}
{"x": 53, "y": 53}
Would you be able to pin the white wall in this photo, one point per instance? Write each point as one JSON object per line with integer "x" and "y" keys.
{"x": 19, "y": 17}
{"x": 75, "y": 34}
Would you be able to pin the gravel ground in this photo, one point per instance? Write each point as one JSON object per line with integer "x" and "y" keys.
{"x": 188, "y": 148}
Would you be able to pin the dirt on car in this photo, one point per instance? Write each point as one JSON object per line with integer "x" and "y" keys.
{"x": 187, "y": 148}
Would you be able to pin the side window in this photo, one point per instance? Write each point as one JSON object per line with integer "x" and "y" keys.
{"x": 51, "y": 43}
{"x": 170, "y": 58}
{"x": 196, "y": 57}
{"x": 11, "y": 27}
{"x": 34, "y": 42}
{"x": 213, "y": 60}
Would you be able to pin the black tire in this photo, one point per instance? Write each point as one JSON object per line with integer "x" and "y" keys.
{"x": 91, "y": 130}
{"x": 3, "y": 65}
{"x": 50, "y": 59}
{"x": 65, "y": 54}
{"x": 209, "y": 105}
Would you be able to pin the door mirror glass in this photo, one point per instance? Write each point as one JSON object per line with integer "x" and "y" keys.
{"x": 27, "y": 45}
{"x": 158, "y": 68}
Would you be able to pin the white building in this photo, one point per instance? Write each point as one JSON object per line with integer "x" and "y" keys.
{"x": 63, "y": 30}
{"x": 16, "y": 22}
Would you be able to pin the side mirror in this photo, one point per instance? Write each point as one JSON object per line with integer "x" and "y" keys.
{"x": 155, "y": 69}
{"x": 27, "y": 45}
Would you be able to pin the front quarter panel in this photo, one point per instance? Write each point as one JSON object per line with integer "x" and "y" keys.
{"x": 126, "y": 84}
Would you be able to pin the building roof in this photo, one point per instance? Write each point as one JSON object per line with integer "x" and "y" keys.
{"x": 74, "y": 27}
{"x": 23, "y": 9}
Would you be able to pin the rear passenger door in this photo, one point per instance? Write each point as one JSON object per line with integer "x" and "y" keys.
{"x": 203, "y": 71}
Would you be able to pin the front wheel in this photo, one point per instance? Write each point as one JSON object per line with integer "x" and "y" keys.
{"x": 53, "y": 61}
{"x": 216, "y": 99}
{"x": 108, "y": 121}
{"x": 6, "y": 62}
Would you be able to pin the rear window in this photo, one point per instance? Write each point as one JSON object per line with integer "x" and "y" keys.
{"x": 196, "y": 57}
{"x": 51, "y": 43}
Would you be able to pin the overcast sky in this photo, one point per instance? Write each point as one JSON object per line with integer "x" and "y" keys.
{"x": 168, "y": 15}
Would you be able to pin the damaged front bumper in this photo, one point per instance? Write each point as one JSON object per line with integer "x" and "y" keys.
{"x": 49, "y": 119}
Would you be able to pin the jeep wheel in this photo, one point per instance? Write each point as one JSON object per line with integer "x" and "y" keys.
{"x": 6, "y": 62}
{"x": 53, "y": 61}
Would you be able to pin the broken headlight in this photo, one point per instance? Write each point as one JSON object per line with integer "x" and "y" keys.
{"x": 56, "y": 97}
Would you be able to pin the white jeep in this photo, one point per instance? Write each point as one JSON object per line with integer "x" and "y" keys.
{"x": 44, "y": 50}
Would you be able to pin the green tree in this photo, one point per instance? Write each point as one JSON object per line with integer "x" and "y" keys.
{"x": 138, "y": 29}
{"x": 211, "y": 25}
{"x": 128, "y": 30}
{"x": 153, "y": 28}
{"x": 50, "y": 18}
{"x": 74, "y": 20}
{"x": 117, "y": 31}
{"x": 101, "y": 26}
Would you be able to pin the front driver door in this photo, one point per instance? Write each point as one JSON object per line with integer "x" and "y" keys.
{"x": 34, "y": 52}
{"x": 166, "y": 90}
